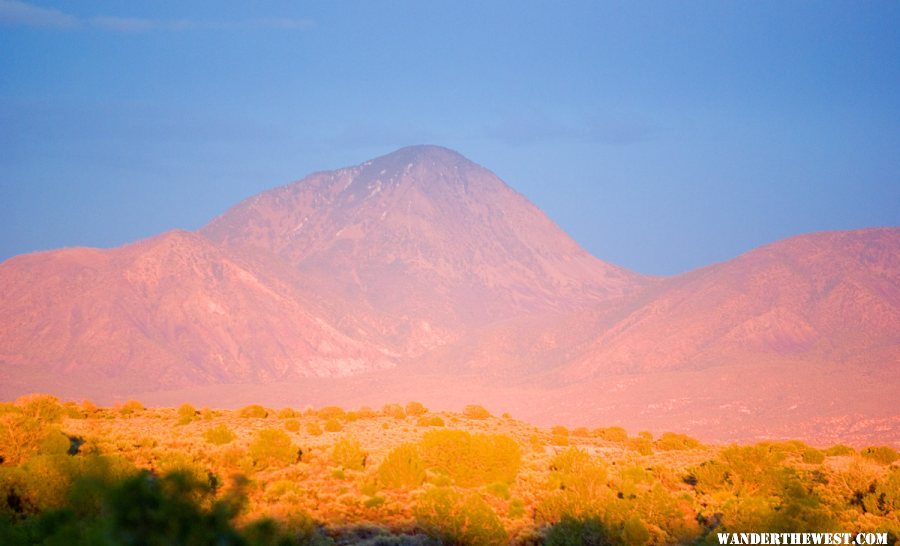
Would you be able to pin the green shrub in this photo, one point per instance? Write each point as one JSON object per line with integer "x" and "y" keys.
{"x": 253, "y": 411}
{"x": 272, "y": 447}
{"x": 881, "y": 454}
{"x": 348, "y": 454}
{"x": 402, "y": 468}
{"x": 571, "y": 531}
{"x": 219, "y": 435}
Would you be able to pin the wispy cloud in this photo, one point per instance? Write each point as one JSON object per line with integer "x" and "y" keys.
{"x": 13, "y": 12}
{"x": 521, "y": 130}
{"x": 16, "y": 13}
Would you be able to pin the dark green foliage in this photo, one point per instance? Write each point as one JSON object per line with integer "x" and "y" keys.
{"x": 579, "y": 532}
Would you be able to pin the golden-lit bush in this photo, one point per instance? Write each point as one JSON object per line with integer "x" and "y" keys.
{"x": 612, "y": 434}
{"x": 459, "y": 518}
{"x": 313, "y": 428}
{"x": 131, "y": 407}
{"x": 402, "y": 468}
{"x": 332, "y": 412}
{"x": 471, "y": 460}
{"x": 333, "y": 425}
{"x": 272, "y": 447}
{"x": 219, "y": 434}
{"x": 393, "y": 410}
{"x": 253, "y": 411}
{"x": 671, "y": 441}
{"x": 186, "y": 414}
{"x": 348, "y": 454}
{"x": 292, "y": 425}
{"x": 812, "y": 455}
{"x": 559, "y": 430}
{"x": 881, "y": 454}
{"x": 474, "y": 411}
{"x": 430, "y": 421}
{"x": 840, "y": 450}
{"x": 288, "y": 413}
{"x": 414, "y": 409}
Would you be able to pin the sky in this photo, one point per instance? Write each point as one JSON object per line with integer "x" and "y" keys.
{"x": 662, "y": 136}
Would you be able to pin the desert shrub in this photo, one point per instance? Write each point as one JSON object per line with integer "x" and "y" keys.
{"x": 402, "y": 468}
{"x": 559, "y": 440}
{"x": 414, "y": 409}
{"x": 559, "y": 430}
{"x": 642, "y": 445}
{"x": 348, "y": 454}
{"x": 88, "y": 408}
{"x": 582, "y": 432}
{"x": 576, "y": 486}
{"x": 572, "y": 531}
{"x": 313, "y": 428}
{"x": 516, "y": 509}
{"x": 186, "y": 414}
{"x": 23, "y": 436}
{"x": 430, "y": 421}
{"x": 459, "y": 518}
{"x": 881, "y": 454}
{"x": 366, "y": 412}
{"x": 840, "y": 450}
{"x": 471, "y": 460}
{"x": 292, "y": 425}
{"x": 253, "y": 411}
{"x": 474, "y": 411}
{"x": 131, "y": 407}
{"x": 646, "y": 435}
{"x": 612, "y": 434}
{"x": 288, "y": 413}
{"x": 42, "y": 407}
{"x": 219, "y": 434}
{"x": 812, "y": 455}
{"x": 393, "y": 410}
{"x": 671, "y": 441}
{"x": 332, "y": 412}
{"x": 333, "y": 425}
{"x": 272, "y": 447}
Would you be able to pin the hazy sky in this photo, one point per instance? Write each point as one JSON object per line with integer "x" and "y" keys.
{"x": 662, "y": 136}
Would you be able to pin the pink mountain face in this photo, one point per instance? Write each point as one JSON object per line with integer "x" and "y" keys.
{"x": 420, "y": 275}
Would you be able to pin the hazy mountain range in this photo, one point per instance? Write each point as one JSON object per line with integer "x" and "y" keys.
{"x": 422, "y": 276}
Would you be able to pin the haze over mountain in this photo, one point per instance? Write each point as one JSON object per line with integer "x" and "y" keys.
{"x": 420, "y": 275}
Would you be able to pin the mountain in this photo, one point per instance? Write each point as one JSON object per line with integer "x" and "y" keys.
{"x": 421, "y": 275}
{"x": 419, "y": 247}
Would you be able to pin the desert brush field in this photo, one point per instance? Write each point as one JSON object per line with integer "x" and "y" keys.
{"x": 75, "y": 473}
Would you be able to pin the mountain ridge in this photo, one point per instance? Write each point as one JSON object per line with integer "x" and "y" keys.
{"x": 420, "y": 264}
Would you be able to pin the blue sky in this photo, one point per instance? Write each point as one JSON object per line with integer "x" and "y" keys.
{"x": 663, "y": 136}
